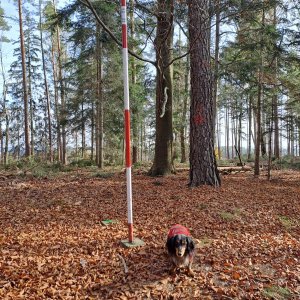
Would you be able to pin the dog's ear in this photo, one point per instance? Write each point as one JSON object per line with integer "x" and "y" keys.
{"x": 190, "y": 244}
{"x": 171, "y": 245}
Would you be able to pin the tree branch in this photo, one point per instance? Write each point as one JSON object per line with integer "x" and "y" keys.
{"x": 88, "y": 4}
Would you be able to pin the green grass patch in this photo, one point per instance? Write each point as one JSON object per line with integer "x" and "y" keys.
{"x": 287, "y": 222}
{"x": 234, "y": 214}
{"x": 204, "y": 242}
{"x": 104, "y": 175}
{"x": 277, "y": 292}
{"x": 227, "y": 216}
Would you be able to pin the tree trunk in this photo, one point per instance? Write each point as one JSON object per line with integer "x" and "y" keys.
{"x": 82, "y": 130}
{"x": 50, "y": 155}
{"x": 31, "y": 110}
{"x": 62, "y": 112}
{"x": 5, "y": 145}
{"x": 216, "y": 64}
{"x": 203, "y": 166}
{"x": 259, "y": 101}
{"x": 24, "y": 81}
{"x": 249, "y": 126}
{"x": 99, "y": 101}
{"x": 163, "y": 164}
{"x": 92, "y": 131}
{"x": 184, "y": 112}
{"x": 227, "y": 130}
{"x": 275, "y": 102}
{"x": 58, "y": 132}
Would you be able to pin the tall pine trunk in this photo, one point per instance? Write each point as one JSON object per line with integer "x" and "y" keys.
{"x": 99, "y": 101}
{"x": 5, "y": 146}
{"x": 31, "y": 110}
{"x": 249, "y": 127}
{"x": 62, "y": 112}
{"x": 216, "y": 63}
{"x": 184, "y": 112}
{"x": 259, "y": 103}
{"x": 24, "y": 81}
{"x": 56, "y": 104}
{"x": 275, "y": 100}
{"x": 50, "y": 154}
{"x": 203, "y": 167}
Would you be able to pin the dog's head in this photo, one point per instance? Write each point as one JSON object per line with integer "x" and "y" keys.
{"x": 180, "y": 245}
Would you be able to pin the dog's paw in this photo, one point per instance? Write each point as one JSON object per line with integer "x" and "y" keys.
{"x": 191, "y": 273}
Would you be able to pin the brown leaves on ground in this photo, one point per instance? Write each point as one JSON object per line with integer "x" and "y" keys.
{"x": 53, "y": 246}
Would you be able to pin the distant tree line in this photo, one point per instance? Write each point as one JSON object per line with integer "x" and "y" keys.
{"x": 204, "y": 76}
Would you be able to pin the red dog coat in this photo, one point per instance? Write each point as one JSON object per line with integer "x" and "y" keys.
{"x": 178, "y": 229}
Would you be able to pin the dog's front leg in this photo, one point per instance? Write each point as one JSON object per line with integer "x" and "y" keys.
{"x": 173, "y": 270}
{"x": 190, "y": 271}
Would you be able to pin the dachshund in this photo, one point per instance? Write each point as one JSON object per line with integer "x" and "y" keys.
{"x": 181, "y": 248}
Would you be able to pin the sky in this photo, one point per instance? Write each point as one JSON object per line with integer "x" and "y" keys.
{"x": 11, "y": 12}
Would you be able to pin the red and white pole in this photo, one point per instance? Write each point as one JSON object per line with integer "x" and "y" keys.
{"x": 127, "y": 120}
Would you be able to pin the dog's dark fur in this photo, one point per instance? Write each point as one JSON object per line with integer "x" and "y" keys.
{"x": 181, "y": 249}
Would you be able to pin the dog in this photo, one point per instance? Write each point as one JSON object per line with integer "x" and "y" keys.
{"x": 181, "y": 248}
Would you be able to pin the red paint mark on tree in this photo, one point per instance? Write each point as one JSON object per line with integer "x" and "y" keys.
{"x": 198, "y": 117}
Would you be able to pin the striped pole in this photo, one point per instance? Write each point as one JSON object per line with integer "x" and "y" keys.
{"x": 127, "y": 120}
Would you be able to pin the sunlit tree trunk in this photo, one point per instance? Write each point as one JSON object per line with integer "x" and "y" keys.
{"x": 56, "y": 103}
{"x": 92, "y": 131}
{"x": 82, "y": 131}
{"x": 62, "y": 111}
{"x": 31, "y": 110}
{"x": 275, "y": 101}
{"x": 249, "y": 126}
{"x": 203, "y": 167}
{"x": 184, "y": 112}
{"x": 24, "y": 81}
{"x": 50, "y": 154}
{"x": 4, "y": 146}
{"x": 99, "y": 102}
{"x": 259, "y": 102}
{"x": 227, "y": 130}
{"x": 216, "y": 63}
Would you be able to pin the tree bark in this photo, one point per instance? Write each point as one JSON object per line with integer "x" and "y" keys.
{"x": 5, "y": 145}
{"x": 275, "y": 101}
{"x": 99, "y": 101}
{"x": 62, "y": 112}
{"x": 216, "y": 63}
{"x": 249, "y": 126}
{"x": 162, "y": 164}
{"x": 50, "y": 154}
{"x": 31, "y": 110}
{"x": 56, "y": 103}
{"x": 82, "y": 130}
{"x": 24, "y": 81}
{"x": 203, "y": 166}
{"x": 184, "y": 111}
{"x": 259, "y": 101}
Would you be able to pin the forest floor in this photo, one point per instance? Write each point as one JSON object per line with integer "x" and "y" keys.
{"x": 53, "y": 245}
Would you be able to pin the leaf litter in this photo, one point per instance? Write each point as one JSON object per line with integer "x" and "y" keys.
{"x": 53, "y": 245}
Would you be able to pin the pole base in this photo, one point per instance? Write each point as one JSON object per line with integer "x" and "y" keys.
{"x": 135, "y": 243}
